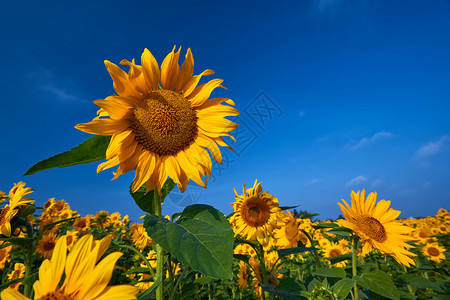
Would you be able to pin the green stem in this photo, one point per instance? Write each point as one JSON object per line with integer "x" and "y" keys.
{"x": 149, "y": 266}
{"x": 410, "y": 289}
{"x": 159, "y": 251}
{"x": 177, "y": 283}
{"x": 262, "y": 269}
{"x": 28, "y": 259}
{"x": 354, "y": 271}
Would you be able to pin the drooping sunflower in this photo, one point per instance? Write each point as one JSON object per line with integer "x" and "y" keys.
{"x": 434, "y": 252}
{"x": 16, "y": 198}
{"x": 256, "y": 214}
{"x": 288, "y": 234}
{"x": 85, "y": 279}
{"x": 375, "y": 224}
{"x": 161, "y": 122}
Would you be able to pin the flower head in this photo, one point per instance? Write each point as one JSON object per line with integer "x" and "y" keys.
{"x": 375, "y": 224}
{"x": 16, "y": 198}
{"x": 85, "y": 279}
{"x": 434, "y": 252}
{"x": 161, "y": 122}
{"x": 256, "y": 214}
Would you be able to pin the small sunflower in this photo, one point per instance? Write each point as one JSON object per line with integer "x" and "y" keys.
{"x": 333, "y": 250}
{"x": 256, "y": 214}
{"x": 47, "y": 244}
{"x": 288, "y": 234}
{"x": 161, "y": 122}
{"x": 16, "y": 198}
{"x": 18, "y": 272}
{"x": 84, "y": 279}
{"x": 5, "y": 254}
{"x": 242, "y": 275}
{"x": 140, "y": 237}
{"x": 434, "y": 252}
{"x": 83, "y": 223}
{"x": 375, "y": 224}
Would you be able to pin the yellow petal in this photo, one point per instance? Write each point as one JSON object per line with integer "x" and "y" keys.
{"x": 202, "y": 92}
{"x": 120, "y": 80}
{"x": 186, "y": 71}
{"x": 150, "y": 69}
{"x": 169, "y": 70}
{"x": 103, "y": 126}
{"x": 189, "y": 87}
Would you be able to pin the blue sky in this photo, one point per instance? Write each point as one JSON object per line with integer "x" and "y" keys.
{"x": 334, "y": 96}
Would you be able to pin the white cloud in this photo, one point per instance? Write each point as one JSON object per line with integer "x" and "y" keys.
{"x": 432, "y": 147}
{"x": 301, "y": 113}
{"x": 377, "y": 182}
{"x": 365, "y": 141}
{"x": 312, "y": 181}
{"x": 355, "y": 181}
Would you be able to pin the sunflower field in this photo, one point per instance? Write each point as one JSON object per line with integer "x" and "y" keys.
{"x": 164, "y": 126}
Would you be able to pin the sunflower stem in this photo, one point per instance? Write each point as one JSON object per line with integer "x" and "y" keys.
{"x": 142, "y": 256}
{"x": 354, "y": 270}
{"x": 28, "y": 260}
{"x": 159, "y": 251}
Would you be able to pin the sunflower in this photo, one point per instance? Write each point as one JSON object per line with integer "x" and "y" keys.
{"x": 84, "y": 278}
{"x": 5, "y": 254}
{"x": 47, "y": 244}
{"x": 16, "y": 198}
{"x": 18, "y": 272}
{"x": 161, "y": 122}
{"x": 375, "y": 224}
{"x": 242, "y": 275}
{"x": 256, "y": 214}
{"x": 333, "y": 250}
{"x": 434, "y": 252}
{"x": 83, "y": 223}
{"x": 140, "y": 237}
{"x": 288, "y": 234}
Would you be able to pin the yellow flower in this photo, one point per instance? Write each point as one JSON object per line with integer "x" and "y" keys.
{"x": 2, "y": 197}
{"x": 4, "y": 254}
{"x": 256, "y": 214}
{"x": 71, "y": 237}
{"x": 375, "y": 224}
{"x": 434, "y": 252}
{"x": 161, "y": 123}
{"x": 102, "y": 219}
{"x": 242, "y": 275}
{"x": 140, "y": 237}
{"x": 47, "y": 244}
{"x": 335, "y": 249}
{"x": 16, "y": 199}
{"x": 442, "y": 212}
{"x": 18, "y": 272}
{"x": 288, "y": 234}
{"x": 84, "y": 278}
{"x": 83, "y": 223}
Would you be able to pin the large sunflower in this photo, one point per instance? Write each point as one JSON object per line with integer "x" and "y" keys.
{"x": 16, "y": 199}
{"x": 84, "y": 278}
{"x": 256, "y": 214}
{"x": 161, "y": 122}
{"x": 375, "y": 224}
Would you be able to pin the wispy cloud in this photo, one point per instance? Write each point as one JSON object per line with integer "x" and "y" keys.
{"x": 366, "y": 141}
{"x": 355, "y": 181}
{"x": 55, "y": 86}
{"x": 377, "y": 182}
{"x": 312, "y": 181}
{"x": 432, "y": 147}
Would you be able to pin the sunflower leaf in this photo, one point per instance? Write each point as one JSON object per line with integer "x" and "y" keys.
{"x": 145, "y": 200}
{"x": 201, "y": 238}
{"x": 92, "y": 149}
{"x": 343, "y": 287}
{"x": 330, "y": 272}
{"x": 421, "y": 282}
{"x": 378, "y": 282}
{"x": 288, "y": 251}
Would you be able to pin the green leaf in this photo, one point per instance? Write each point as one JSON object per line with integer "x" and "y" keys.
{"x": 288, "y": 207}
{"x": 304, "y": 216}
{"x": 203, "y": 280}
{"x": 421, "y": 282}
{"x": 92, "y": 149}
{"x": 378, "y": 282}
{"x": 314, "y": 284}
{"x": 201, "y": 238}
{"x": 288, "y": 251}
{"x": 343, "y": 287}
{"x": 343, "y": 231}
{"x": 287, "y": 288}
{"x": 145, "y": 200}
{"x": 244, "y": 257}
{"x": 330, "y": 272}
{"x": 339, "y": 258}
{"x": 21, "y": 242}
{"x": 325, "y": 225}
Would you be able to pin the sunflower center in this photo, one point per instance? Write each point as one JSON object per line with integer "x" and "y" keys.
{"x": 423, "y": 234}
{"x": 56, "y": 295}
{"x": 49, "y": 245}
{"x": 164, "y": 122}
{"x": 334, "y": 252}
{"x": 433, "y": 251}
{"x": 372, "y": 228}
{"x": 255, "y": 212}
{"x": 3, "y": 213}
